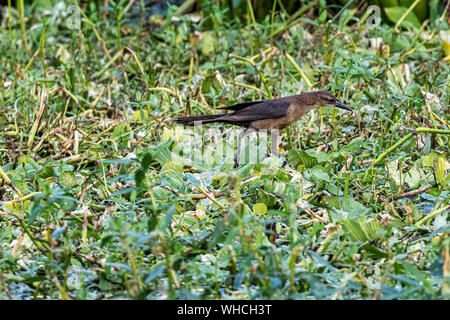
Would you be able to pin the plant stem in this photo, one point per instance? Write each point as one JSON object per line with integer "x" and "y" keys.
{"x": 297, "y": 68}
{"x": 403, "y": 17}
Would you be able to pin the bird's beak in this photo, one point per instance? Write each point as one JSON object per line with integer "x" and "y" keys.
{"x": 343, "y": 106}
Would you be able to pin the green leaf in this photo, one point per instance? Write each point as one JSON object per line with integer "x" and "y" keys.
{"x": 139, "y": 177}
{"x": 362, "y": 230}
{"x": 389, "y": 3}
{"x": 420, "y": 10}
{"x": 413, "y": 272}
{"x": 155, "y": 272}
{"x": 172, "y": 168}
{"x": 414, "y": 176}
{"x": 162, "y": 154}
{"x": 395, "y": 13}
{"x": 347, "y": 207}
{"x": 333, "y": 189}
{"x": 35, "y": 212}
{"x": 350, "y": 205}
{"x": 441, "y": 169}
{"x": 208, "y": 43}
{"x": 146, "y": 161}
{"x": 259, "y": 208}
{"x": 121, "y": 135}
{"x": 429, "y": 160}
{"x": 318, "y": 174}
{"x": 69, "y": 179}
{"x": 323, "y": 16}
{"x": 301, "y": 158}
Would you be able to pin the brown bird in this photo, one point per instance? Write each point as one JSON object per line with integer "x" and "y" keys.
{"x": 271, "y": 115}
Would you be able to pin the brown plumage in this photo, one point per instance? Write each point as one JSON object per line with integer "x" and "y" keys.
{"x": 271, "y": 115}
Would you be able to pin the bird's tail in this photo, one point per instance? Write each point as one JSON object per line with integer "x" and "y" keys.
{"x": 197, "y": 120}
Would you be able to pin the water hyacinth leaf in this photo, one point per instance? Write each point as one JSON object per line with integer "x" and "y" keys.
{"x": 346, "y": 207}
{"x": 22, "y": 186}
{"x": 267, "y": 198}
{"x": 394, "y": 173}
{"x": 140, "y": 115}
{"x": 46, "y": 171}
{"x": 324, "y": 156}
{"x": 321, "y": 260}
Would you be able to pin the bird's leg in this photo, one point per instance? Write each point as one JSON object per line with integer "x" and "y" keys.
{"x": 242, "y": 134}
{"x": 275, "y": 135}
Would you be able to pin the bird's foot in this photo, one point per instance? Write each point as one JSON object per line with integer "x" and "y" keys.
{"x": 236, "y": 164}
{"x": 284, "y": 163}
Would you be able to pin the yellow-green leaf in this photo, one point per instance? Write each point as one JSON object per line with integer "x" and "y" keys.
{"x": 259, "y": 208}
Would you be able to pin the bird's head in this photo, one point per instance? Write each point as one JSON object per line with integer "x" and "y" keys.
{"x": 324, "y": 98}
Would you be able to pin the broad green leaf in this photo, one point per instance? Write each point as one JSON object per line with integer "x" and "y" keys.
{"x": 420, "y": 10}
{"x": 389, "y": 3}
{"x": 414, "y": 176}
{"x": 395, "y": 13}
{"x": 348, "y": 206}
{"x": 361, "y": 229}
{"x": 301, "y": 158}
{"x": 69, "y": 179}
{"x": 319, "y": 175}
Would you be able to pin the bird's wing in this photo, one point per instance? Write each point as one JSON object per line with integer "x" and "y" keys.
{"x": 241, "y": 106}
{"x": 270, "y": 109}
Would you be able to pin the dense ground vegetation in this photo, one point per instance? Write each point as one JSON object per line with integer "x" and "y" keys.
{"x": 96, "y": 202}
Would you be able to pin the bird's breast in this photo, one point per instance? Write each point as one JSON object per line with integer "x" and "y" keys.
{"x": 295, "y": 112}
{"x": 268, "y": 124}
